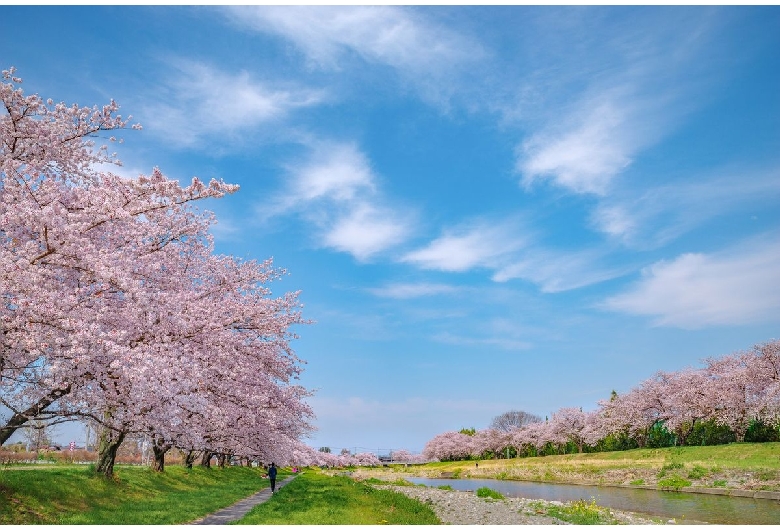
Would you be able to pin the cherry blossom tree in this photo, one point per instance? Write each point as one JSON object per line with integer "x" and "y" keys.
{"x": 367, "y": 459}
{"x": 450, "y": 445}
{"x": 735, "y": 393}
{"x": 688, "y": 400}
{"x": 567, "y": 425}
{"x": 109, "y": 287}
{"x": 764, "y": 371}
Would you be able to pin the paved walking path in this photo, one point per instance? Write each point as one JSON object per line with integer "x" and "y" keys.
{"x": 242, "y": 507}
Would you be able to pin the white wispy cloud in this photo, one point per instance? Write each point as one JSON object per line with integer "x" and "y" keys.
{"x": 423, "y": 51}
{"x": 603, "y": 93}
{"x": 740, "y": 285}
{"x": 405, "y": 291}
{"x": 500, "y": 342}
{"x": 652, "y": 217}
{"x": 336, "y": 190}
{"x": 332, "y": 173}
{"x": 195, "y": 101}
{"x": 366, "y": 230}
{"x": 476, "y": 244}
{"x": 585, "y": 156}
{"x": 509, "y": 248}
{"x": 556, "y": 271}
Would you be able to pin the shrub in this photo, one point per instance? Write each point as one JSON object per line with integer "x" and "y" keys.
{"x": 580, "y": 512}
{"x": 697, "y": 472}
{"x": 668, "y": 467}
{"x": 446, "y": 487}
{"x": 719, "y": 484}
{"x": 637, "y": 482}
{"x": 673, "y": 483}
{"x": 489, "y": 493}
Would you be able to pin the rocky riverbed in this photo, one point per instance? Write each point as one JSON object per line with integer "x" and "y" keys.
{"x": 466, "y": 508}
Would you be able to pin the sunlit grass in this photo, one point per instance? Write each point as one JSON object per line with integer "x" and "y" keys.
{"x": 74, "y": 495}
{"x": 731, "y": 456}
{"x": 578, "y": 512}
{"x": 315, "y": 498}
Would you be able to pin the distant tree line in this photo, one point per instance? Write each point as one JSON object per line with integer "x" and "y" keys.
{"x": 735, "y": 398}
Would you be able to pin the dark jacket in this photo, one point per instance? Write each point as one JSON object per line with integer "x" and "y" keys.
{"x": 272, "y": 472}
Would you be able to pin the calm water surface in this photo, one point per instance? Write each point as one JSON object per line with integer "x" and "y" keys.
{"x": 683, "y": 507}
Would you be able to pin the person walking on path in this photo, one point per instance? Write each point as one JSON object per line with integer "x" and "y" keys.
{"x": 272, "y": 476}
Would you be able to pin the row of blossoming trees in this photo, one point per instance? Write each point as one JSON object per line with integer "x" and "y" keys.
{"x": 346, "y": 459}
{"x": 115, "y": 309}
{"x": 734, "y": 393}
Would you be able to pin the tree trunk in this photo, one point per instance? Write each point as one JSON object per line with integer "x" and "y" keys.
{"x": 159, "y": 448}
{"x": 190, "y": 458}
{"x": 740, "y": 432}
{"x": 109, "y": 443}
{"x": 205, "y": 460}
{"x": 221, "y": 460}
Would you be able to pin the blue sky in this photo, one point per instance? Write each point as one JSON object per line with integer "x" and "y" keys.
{"x": 485, "y": 209}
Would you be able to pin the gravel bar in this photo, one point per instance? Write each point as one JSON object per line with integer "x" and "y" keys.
{"x": 465, "y": 508}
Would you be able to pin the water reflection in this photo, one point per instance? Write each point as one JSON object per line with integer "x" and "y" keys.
{"x": 683, "y": 507}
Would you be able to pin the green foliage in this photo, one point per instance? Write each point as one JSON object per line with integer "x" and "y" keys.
{"x": 402, "y": 482}
{"x": 489, "y": 493}
{"x": 373, "y": 480}
{"x": 659, "y": 436}
{"x": 637, "y": 482}
{"x": 469, "y": 432}
{"x": 673, "y": 483}
{"x": 710, "y": 433}
{"x": 760, "y": 432}
{"x": 317, "y": 499}
{"x": 616, "y": 442}
{"x": 580, "y": 512}
{"x": 697, "y": 472}
{"x": 669, "y": 467}
{"x": 446, "y": 487}
{"x": 719, "y": 484}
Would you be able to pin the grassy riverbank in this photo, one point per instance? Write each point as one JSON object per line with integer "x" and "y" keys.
{"x": 743, "y": 466}
{"x": 73, "y": 495}
{"x": 316, "y": 498}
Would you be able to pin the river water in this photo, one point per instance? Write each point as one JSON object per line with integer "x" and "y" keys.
{"x": 683, "y": 507}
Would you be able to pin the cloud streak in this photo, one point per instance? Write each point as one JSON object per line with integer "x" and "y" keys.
{"x": 476, "y": 244}
{"x": 509, "y": 249}
{"x": 738, "y": 286}
{"x": 197, "y": 101}
{"x": 406, "y": 291}
{"x": 424, "y": 53}
{"x": 590, "y": 121}
{"x": 656, "y": 216}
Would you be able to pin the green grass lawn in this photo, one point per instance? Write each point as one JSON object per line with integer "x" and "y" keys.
{"x": 315, "y": 498}
{"x": 74, "y": 495}
{"x": 754, "y": 466}
{"x": 736, "y": 456}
